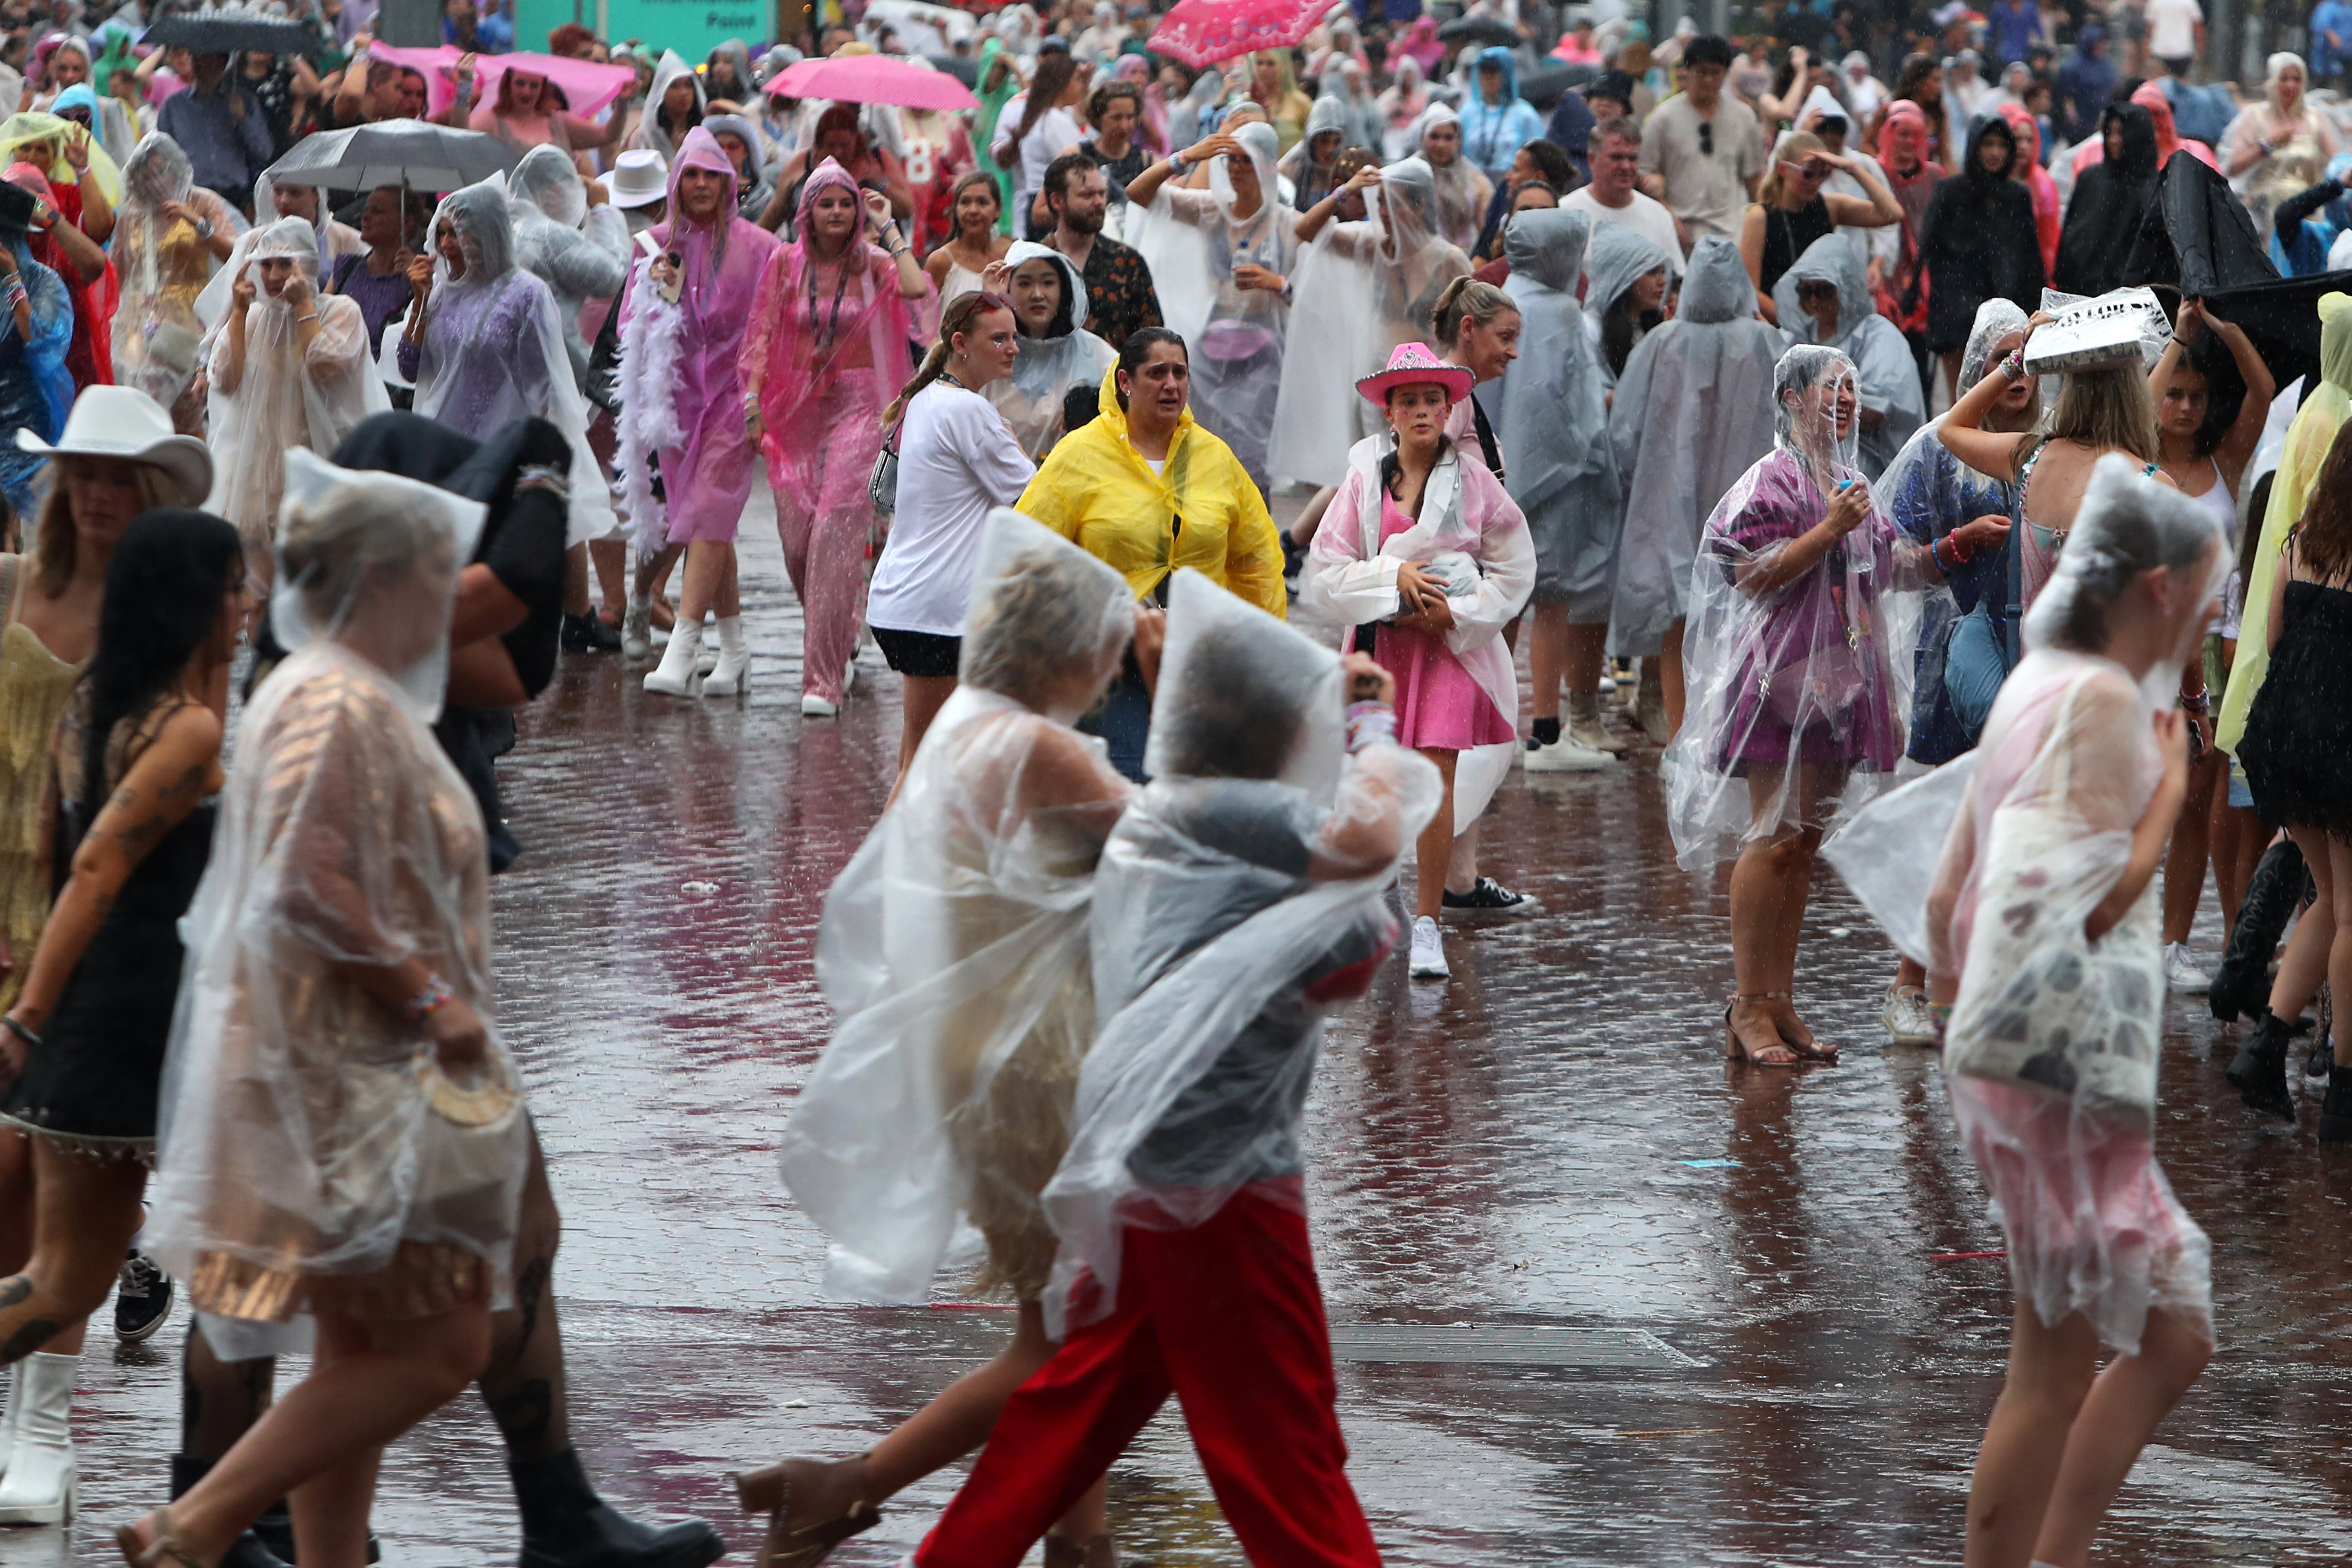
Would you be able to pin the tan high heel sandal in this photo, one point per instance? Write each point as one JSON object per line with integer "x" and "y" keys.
{"x": 799, "y": 1543}
{"x": 163, "y": 1552}
{"x": 1737, "y": 1049}
{"x": 1808, "y": 1049}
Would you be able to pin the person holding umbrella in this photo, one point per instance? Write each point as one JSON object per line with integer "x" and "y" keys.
{"x": 221, "y": 129}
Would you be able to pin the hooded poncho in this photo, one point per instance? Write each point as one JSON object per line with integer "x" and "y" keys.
{"x": 654, "y": 132}
{"x": 1462, "y": 188}
{"x": 580, "y": 252}
{"x": 1889, "y": 382}
{"x": 1619, "y": 257}
{"x": 1311, "y": 182}
{"x": 2112, "y": 199}
{"x": 1493, "y": 133}
{"x": 1979, "y": 242}
{"x": 1050, "y": 367}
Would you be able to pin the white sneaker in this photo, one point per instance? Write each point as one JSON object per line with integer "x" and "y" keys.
{"x": 1608, "y": 683}
{"x": 1428, "y": 951}
{"x": 2182, "y": 973}
{"x": 638, "y": 632}
{"x": 1909, "y": 1020}
{"x": 1592, "y": 732}
{"x": 1566, "y": 755}
{"x": 815, "y": 707}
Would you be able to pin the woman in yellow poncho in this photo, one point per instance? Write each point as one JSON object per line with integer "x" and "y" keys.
{"x": 1145, "y": 489}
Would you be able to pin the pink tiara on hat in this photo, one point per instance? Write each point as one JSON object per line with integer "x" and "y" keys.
{"x": 1415, "y": 364}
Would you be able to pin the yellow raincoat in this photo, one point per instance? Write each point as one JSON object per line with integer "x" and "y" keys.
{"x": 19, "y": 132}
{"x": 2324, "y": 411}
{"x": 1095, "y": 490}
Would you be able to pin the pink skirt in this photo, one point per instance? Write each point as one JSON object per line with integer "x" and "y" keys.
{"x": 1439, "y": 707}
{"x": 2093, "y": 1225}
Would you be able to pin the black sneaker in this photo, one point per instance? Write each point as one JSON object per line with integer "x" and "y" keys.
{"x": 1487, "y": 897}
{"x": 589, "y": 634}
{"x": 142, "y": 1300}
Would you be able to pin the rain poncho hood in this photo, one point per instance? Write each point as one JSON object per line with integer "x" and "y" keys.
{"x": 2112, "y": 199}
{"x": 1048, "y": 367}
{"x": 953, "y": 952}
{"x": 1618, "y": 258}
{"x": 1458, "y": 192}
{"x": 1192, "y": 945}
{"x": 1692, "y": 413}
{"x": 1889, "y": 376}
{"x": 22, "y": 130}
{"x": 754, "y": 197}
{"x": 651, "y": 130}
{"x": 1550, "y": 407}
{"x": 1493, "y": 133}
{"x": 580, "y": 253}
{"x": 1309, "y": 180}
{"x": 158, "y": 337}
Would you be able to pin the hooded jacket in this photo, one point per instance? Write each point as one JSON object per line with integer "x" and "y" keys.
{"x": 2111, "y": 199}
{"x": 1493, "y": 133}
{"x": 1977, "y": 242}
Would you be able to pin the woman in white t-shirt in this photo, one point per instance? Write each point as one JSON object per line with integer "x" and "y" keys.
{"x": 1036, "y": 128}
{"x": 957, "y": 458}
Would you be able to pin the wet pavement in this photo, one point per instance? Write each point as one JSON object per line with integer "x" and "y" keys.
{"x": 1599, "y": 1299}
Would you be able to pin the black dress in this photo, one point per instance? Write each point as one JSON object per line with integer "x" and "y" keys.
{"x": 2297, "y": 748}
{"x": 92, "y": 1083}
{"x": 1787, "y": 234}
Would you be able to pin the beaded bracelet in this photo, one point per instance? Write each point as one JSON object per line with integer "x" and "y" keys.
{"x": 434, "y": 996}
{"x": 2014, "y": 366}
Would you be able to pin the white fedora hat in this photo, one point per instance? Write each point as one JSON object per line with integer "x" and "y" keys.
{"x": 639, "y": 178}
{"x": 125, "y": 423}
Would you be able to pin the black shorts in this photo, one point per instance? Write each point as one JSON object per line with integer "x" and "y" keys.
{"x": 926, "y": 654}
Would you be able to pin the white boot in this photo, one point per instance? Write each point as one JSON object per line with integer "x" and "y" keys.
{"x": 8, "y": 1420}
{"x": 39, "y": 1488}
{"x": 675, "y": 676}
{"x": 725, "y": 677}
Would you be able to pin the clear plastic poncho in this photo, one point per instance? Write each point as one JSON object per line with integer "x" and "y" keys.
{"x": 1461, "y": 188}
{"x": 1191, "y": 241}
{"x": 953, "y": 948}
{"x": 1693, "y": 412}
{"x": 2054, "y": 1047}
{"x": 1797, "y": 688}
{"x": 1362, "y": 289}
{"x": 309, "y": 1137}
{"x": 1049, "y": 368}
{"x": 281, "y": 395}
{"x": 1208, "y": 961}
{"x": 1551, "y": 414}
{"x": 1889, "y": 384}
{"x": 493, "y": 350}
{"x": 158, "y": 338}
{"x": 580, "y": 252}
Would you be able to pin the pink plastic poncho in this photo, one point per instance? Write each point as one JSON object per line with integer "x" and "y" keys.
{"x": 830, "y": 348}
{"x": 682, "y": 375}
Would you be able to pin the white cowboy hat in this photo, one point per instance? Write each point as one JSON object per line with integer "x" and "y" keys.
{"x": 123, "y": 422}
{"x": 639, "y": 178}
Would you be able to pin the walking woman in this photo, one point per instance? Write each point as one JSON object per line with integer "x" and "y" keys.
{"x": 992, "y": 838}
{"x": 2042, "y": 940}
{"x": 1977, "y": 242}
{"x": 957, "y": 462}
{"x": 1433, "y": 550}
{"x": 2291, "y": 751}
{"x": 1059, "y": 355}
{"x": 955, "y": 267}
{"x": 1035, "y": 128}
{"x": 2206, "y": 456}
{"x": 837, "y": 314}
{"x": 682, "y": 410}
{"x": 340, "y": 955}
{"x": 1790, "y": 656}
{"x": 132, "y": 768}
{"x": 169, "y": 235}
{"x": 1144, "y": 487}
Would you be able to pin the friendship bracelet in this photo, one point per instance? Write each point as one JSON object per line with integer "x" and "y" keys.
{"x": 2200, "y": 703}
{"x": 1370, "y": 724}
{"x": 311, "y": 317}
{"x": 2014, "y": 366}
{"x": 436, "y": 995}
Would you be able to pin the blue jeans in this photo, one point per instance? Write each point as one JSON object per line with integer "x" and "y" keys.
{"x": 1123, "y": 722}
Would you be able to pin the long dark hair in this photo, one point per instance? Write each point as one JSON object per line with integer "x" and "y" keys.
{"x": 1055, "y": 70}
{"x": 2323, "y": 537}
{"x": 1617, "y": 324}
{"x": 164, "y": 591}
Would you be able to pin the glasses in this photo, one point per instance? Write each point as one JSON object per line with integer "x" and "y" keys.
{"x": 1817, "y": 290}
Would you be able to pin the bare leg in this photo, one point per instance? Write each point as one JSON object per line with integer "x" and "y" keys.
{"x": 1758, "y": 880}
{"x": 1548, "y": 658}
{"x": 523, "y": 1382}
{"x": 2106, "y": 1435}
{"x": 2231, "y": 832}
{"x": 921, "y": 698}
{"x": 86, "y": 1213}
{"x": 17, "y": 1228}
{"x": 961, "y": 1417}
{"x": 1587, "y": 650}
{"x": 2339, "y": 951}
{"x": 1461, "y": 866}
{"x": 1302, "y": 532}
{"x": 609, "y": 558}
{"x": 2050, "y": 1373}
{"x": 1436, "y": 845}
{"x": 575, "y": 579}
{"x": 2184, "y": 860}
{"x": 1670, "y": 676}
{"x": 709, "y": 568}
{"x": 2304, "y": 965}
{"x": 653, "y": 571}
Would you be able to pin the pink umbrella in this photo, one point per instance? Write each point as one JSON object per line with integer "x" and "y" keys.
{"x": 1202, "y": 33}
{"x": 587, "y": 86}
{"x": 873, "y": 78}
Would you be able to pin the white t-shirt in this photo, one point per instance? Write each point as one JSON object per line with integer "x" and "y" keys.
{"x": 957, "y": 458}
{"x": 1707, "y": 163}
{"x": 1056, "y": 132}
{"x": 2172, "y": 28}
{"x": 1645, "y": 215}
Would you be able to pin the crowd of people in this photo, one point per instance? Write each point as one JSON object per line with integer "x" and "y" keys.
{"x": 1823, "y": 440}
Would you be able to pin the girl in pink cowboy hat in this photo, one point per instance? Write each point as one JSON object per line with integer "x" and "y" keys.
{"x": 1434, "y": 556}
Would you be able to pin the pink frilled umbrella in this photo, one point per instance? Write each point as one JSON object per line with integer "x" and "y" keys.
{"x": 1203, "y": 33}
{"x": 588, "y": 88}
{"x": 873, "y": 78}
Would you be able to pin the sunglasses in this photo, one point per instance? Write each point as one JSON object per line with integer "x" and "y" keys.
{"x": 1811, "y": 169}
{"x": 1817, "y": 290}
{"x": 1706, "y": 138}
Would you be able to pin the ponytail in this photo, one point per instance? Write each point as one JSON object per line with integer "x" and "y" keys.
{"x": 1466, "y": 296}
{"x": 956, "y": 317}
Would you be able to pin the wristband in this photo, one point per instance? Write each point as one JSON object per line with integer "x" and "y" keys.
{"x": 1176, "y": 164}
{"x": 2014, "y": 366}
{"x": 1371, "y": 724}
{"x": 1933, "y": 554}
{"x": 311, "y": 317}
{"x": 205, "y": 229}
{"x": 2200, "y": 704}
{"x": 22, "y": 1033}
{"x": 434, "y": 996}
{"x": 1960, "y": 552}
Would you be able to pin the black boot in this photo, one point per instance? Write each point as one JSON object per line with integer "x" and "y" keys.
{"x": 2242, "y": 984}
{"x": 566, "y": 1525}
{"x": 247, "y": 1550}
{"x": 2336, "y": 1110}
{"x": 2259, "y": 1071}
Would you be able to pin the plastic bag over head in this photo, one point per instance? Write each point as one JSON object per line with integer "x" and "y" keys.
{"x": 1242, "y": 694}
{"x": 371, "y": 560}
{"x": 1041, "y": 610}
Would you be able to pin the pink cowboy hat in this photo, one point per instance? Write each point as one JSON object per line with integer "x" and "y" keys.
{"x": 1413, "y": 364}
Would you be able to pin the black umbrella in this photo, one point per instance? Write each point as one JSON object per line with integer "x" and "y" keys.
{"x": 1480, "y": 30}
{"x": 233, "y": 29}
{"x": 963, "y": 69}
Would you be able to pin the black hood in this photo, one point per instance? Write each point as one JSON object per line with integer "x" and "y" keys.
{"x": 2139, "y": 128}
{"x": 1987, "y": 125}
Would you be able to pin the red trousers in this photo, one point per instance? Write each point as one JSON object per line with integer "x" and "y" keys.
{"x": 1229, "y": 1317}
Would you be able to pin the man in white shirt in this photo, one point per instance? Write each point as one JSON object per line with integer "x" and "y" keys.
{"x": 1616, "y": 147}
{"x": 1700, "y": 151}
{"x": 2176, "y": 33}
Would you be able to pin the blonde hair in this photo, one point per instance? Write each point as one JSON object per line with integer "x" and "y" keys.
{"x": 2108, "y": 409}
{"x": 1793, "y": 149}
{"x": 1467, "y": 298}
{"x": 54, "y": 538}
{"x": 328, "y": 545}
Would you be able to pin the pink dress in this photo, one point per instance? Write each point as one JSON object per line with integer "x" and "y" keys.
{"x": 1439, "y": 706}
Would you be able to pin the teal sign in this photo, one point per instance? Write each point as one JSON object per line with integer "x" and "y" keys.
{"x": 692, "y": 27}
